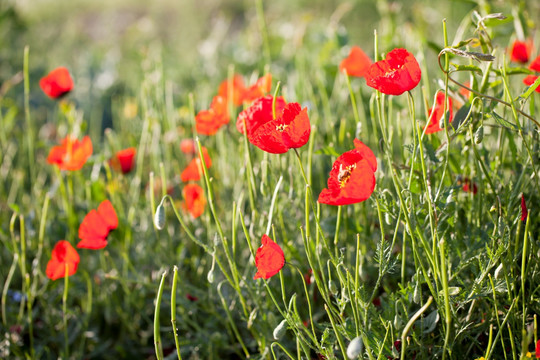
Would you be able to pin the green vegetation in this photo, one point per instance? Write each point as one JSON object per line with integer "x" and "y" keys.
{"x": 437, "y": 262}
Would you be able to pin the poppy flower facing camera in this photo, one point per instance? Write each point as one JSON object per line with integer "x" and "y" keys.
{"x": 352, "y": 178}
{"x": 260, "y": 112}
{"x": 57, "y": 83}
{"x": 398, "y": 73}
{"x": 96, "y": 226}
{"x": 71, "y": 154}
{"x": 269, "y": 259}
{"x": 63, "y": 256}
{"x": 288, "y": 131}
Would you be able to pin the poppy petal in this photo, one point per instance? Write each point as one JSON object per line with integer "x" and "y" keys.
{"x": 96, "y": 226}
{"x": 356, "y": 64}
{"x": 57, "y": 83}
{"x": 524, "y": 211}
{"x": 397, "y": 73}
{"x": 63, "y": 255}
{"x": 269, "y": 259}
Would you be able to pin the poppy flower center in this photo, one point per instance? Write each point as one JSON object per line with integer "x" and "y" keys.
{"x": 281, "y": 127}
{"x": 345, "y": 174}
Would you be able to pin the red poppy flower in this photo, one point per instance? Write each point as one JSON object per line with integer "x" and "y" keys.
{"x": 194, "y": 200}
{"x": 535, "y": 64}
{"x": 63, "y": 255}
{"x": 260, "y": 112}
{"x": 521, "y": 50}
{"x": 124, "y": 160}
{"x": 193, "y": 170}
{"x": 288, "y": 131}
{"x": 436, "y": 113}
{"x": 537, "y": 352}
{"x": 260, "y": 88}
{"x": 468, "y": 185}
{"x": 356, "y": 64}
{"x": 208, "y": 122}
{"x": 269, "y": 259}
{"x": 57, "y": 83}
{"x": 96, "y": 226}
{"x": 191, "y": 297}
{"x": 524, "y": 211}
{"x": 352, "y": 178}
{"x": 71, "y": 154}
{"x": 398, "y": 73}
{"x": 529, "y": 80}
{"x": 234, "y": 88}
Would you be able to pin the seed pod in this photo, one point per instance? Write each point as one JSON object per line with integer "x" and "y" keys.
{"x": 355, "y": 348}
{"x": 479, "y": 134}
{"x": 280, "y": 330}
{"x": 159, "y": 217}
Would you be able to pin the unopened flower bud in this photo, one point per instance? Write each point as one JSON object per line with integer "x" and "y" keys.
{"x": 332, "y": 287}
{"x": 355, "y": 348}
{"x": 280, "y": 330}
{"x": 159, "y": 217}
{"x": 479, "y": 134}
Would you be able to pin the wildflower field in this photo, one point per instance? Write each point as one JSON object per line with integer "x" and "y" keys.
{"x": 270, "y": 180}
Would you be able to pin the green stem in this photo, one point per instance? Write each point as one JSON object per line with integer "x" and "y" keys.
{"x": 173, "y": 311}
{"x": 64, "y": 311}
{"x": 157, "y": 335}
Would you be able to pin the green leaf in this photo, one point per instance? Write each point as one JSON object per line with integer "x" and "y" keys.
{"x": 503, "y": 122}
{"x": 327, "y": 150}
{"x": 457, "y": 67}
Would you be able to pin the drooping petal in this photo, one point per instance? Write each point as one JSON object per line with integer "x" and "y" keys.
{"x": 524, "y": 211}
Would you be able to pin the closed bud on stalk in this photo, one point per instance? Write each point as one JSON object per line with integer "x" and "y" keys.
{"x": 498, "y": 270}
{"x": 479, "y": 134}
{"x": 388, "y": 218}
{"x": 280, "y": 330}
{"x": 355, "y": 348}
{"x": 159, "y": 217}
{"x": 416, "y": 295}
{"x": 210, "y": 276}
{"x": 332, "y": 287}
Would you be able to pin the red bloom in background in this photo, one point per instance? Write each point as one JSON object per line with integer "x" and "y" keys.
{"x": 537, "y": 352}
{"x": 260, "y": 112}
{"x": 398, "y": 73}
{"x": 436, "y": 113}
{"x": 529, "y": 80}
{"x": 288, "y": 131}
{"x": 352, "y": 178}
{"x": 260, "y": 88}
{"x": 521, "y": 50}
{"x": 194, "y": 200}
{"x": 356, "y": 64}
{"x": 71, "y": 154}
{"x": 234, "y": 88}
{"x": 468, "y": 185}
{"x": 124, "y": 160}
{"x": 63, "y": 255}
{"x": 524, "y": 214}
{"x": 269, "y": 259}
{"x": 194, "y": 170}
{"x": 208, "y": 122}
{"x": 96, "y": 226}
{"x": 57, "y": 83}
{"x": 535, "y": 64}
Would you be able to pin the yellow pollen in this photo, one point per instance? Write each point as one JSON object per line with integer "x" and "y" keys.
{"x": 345, "y": 174}
{"x": 281, "y": 127}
